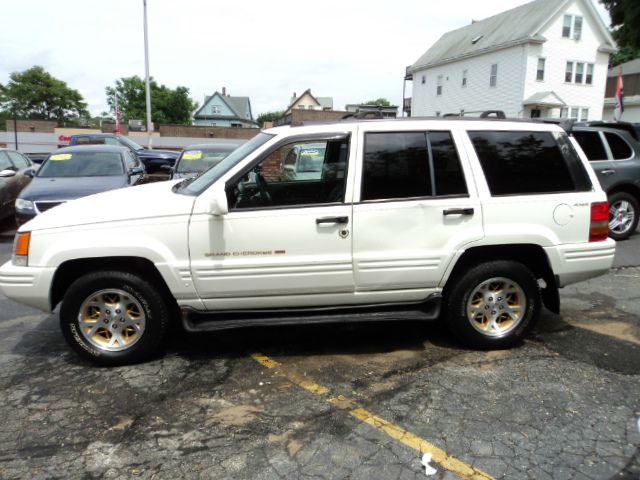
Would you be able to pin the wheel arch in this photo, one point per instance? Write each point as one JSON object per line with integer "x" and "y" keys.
{"x": 532, "y": 256}
{"x": 70, "y": 270}
{"x": 629, "y": 188}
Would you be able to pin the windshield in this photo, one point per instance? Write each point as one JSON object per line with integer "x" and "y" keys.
{"x": 130, "y": 143}
{"x": 82, "y": 164}
{"x": 199, "y": 160}
{"x": 202, "y": 182}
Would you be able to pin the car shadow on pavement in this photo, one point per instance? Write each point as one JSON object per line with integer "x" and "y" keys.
{"x": 583, "y": 345}
{"x": 312, "y": 339}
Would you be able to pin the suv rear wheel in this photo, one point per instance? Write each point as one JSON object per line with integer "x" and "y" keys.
{"x": 623, "y": 215}
{"x": 113, "y": 318}
{"x": 494, "y": 304}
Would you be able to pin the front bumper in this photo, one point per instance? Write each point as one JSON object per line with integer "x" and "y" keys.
{"x": 27, "y": 285}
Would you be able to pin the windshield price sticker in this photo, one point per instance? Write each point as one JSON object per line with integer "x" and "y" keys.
{"x": 310, "y": 153}
{"x": 192, "y": 155}
{"x": 60, "y": 156}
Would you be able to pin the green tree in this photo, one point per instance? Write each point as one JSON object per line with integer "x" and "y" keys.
{"x": 625, "y": 18}
{"x": 37, "y": 95}
{"x": 167, "y": 105}
{"x": 268, "y": 117}
{"x": 383, "y": 102}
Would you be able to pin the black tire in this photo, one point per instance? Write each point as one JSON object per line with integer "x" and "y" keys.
{"x": 470, "y": 318}
{"x": 130, "y": 332}
{"x": 623, "y": 215}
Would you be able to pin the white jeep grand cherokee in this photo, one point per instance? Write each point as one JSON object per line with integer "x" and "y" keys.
{"x": 482, "y": 219}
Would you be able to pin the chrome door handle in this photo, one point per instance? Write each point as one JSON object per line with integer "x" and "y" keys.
{"x": 608, "y": 172}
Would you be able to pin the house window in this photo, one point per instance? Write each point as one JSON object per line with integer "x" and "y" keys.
{"x": 568, "y": 76}
{"x": 577, "y": 28}
{"x": 424, "y": 79}
{"x": 215, "y": 109}
{"x": 464, "y": 77}
{"x": 584, "y": 114}
{"x": 439, "y": 86}
{"x": 577, "y": 113}
{"x": 589, "y": 78}
{"x": 583, "y": 73}
{"x": 493, "y": 79}
{"x": 540, "y": 70}
{"x": 579, "y": 72}
{"x": 566, "y": 26}
{"x": 572, "y": 27}
{"x": 301, "y": 107}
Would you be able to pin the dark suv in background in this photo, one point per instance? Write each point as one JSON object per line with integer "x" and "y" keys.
{"x": 152, "y": 159}
{"x": 614, "y": 152}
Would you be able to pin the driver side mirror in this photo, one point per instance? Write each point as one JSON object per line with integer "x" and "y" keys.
{"x": 218, "y": 204}
{"x": 136, "y": 171}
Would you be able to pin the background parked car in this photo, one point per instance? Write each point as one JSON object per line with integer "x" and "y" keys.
{"x": 195, "y": 159}
{"x": 153, "y": 159}
{"x": 16, "y": 171}
{"x": 75, "y": 172}
{"x": 614, "y": 154}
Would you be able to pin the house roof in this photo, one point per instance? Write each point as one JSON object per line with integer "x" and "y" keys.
{"x": 547, "y": 99}
{"x": 519, "y": 25}
{"x": 628, "y": 68}
{"x": 325, "y": 102}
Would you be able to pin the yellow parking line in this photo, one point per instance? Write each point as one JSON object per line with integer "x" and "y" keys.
{"x": 438, "y": 455}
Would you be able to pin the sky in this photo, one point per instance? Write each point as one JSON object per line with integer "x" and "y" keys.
{"x": 351, "y": 50}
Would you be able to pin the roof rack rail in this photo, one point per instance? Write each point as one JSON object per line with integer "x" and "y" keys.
{"x": 483, "y": 114}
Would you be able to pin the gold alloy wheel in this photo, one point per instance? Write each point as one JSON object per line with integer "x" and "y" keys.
{"x": 111, "y": 320}
{"x": 496, "y": 306}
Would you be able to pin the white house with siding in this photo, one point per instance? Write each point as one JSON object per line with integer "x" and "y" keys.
{"x": 547, "y": 58}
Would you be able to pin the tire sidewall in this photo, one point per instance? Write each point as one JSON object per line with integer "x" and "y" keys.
{"x": 457, "y": 319}
{"x": 152, "y": 304}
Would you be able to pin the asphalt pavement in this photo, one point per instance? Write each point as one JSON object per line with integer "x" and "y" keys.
{"x": 348, "y": 401}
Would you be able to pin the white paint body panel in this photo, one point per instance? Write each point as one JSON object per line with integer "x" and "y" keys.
{"x": 400, "y": 251}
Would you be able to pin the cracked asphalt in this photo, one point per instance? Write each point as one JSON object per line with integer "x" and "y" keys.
{"x": 564, "y": 405}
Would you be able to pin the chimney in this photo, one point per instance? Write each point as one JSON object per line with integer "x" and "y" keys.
{"x": 224, "y": 91}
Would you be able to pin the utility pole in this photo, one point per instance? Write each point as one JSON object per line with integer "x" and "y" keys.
{"x": 15, "y": 125}
{"x": 146, "y": 71}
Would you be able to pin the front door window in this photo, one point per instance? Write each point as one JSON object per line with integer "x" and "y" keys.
{"x": 303, "y": 173}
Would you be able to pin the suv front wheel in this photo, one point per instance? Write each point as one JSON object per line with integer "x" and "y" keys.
{"x": 623, "y": 215}
{"x": 113, "y": 317}
{"x": 494, "y": 304}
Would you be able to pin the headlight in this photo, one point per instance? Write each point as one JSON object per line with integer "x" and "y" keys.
{"x": 22, "y": 204}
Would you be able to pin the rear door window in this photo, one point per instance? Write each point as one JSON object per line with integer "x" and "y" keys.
{"x": 591, "y": 144}
{"x": 619, "y": 148}
{"x": 529, "y": 162}
{"x": 399, "y": 165}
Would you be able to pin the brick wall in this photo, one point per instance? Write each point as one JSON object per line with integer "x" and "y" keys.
{"x": 207, "y": 132}
{"x": 34, "y": 126}
{"x": 111, "y": 128}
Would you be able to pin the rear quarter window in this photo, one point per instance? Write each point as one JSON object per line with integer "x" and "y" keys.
{"x": 529, "y": 162}
{"x": 619, "y": 148}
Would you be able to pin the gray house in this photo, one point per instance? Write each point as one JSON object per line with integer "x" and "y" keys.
{"x": 222, "y": 110}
